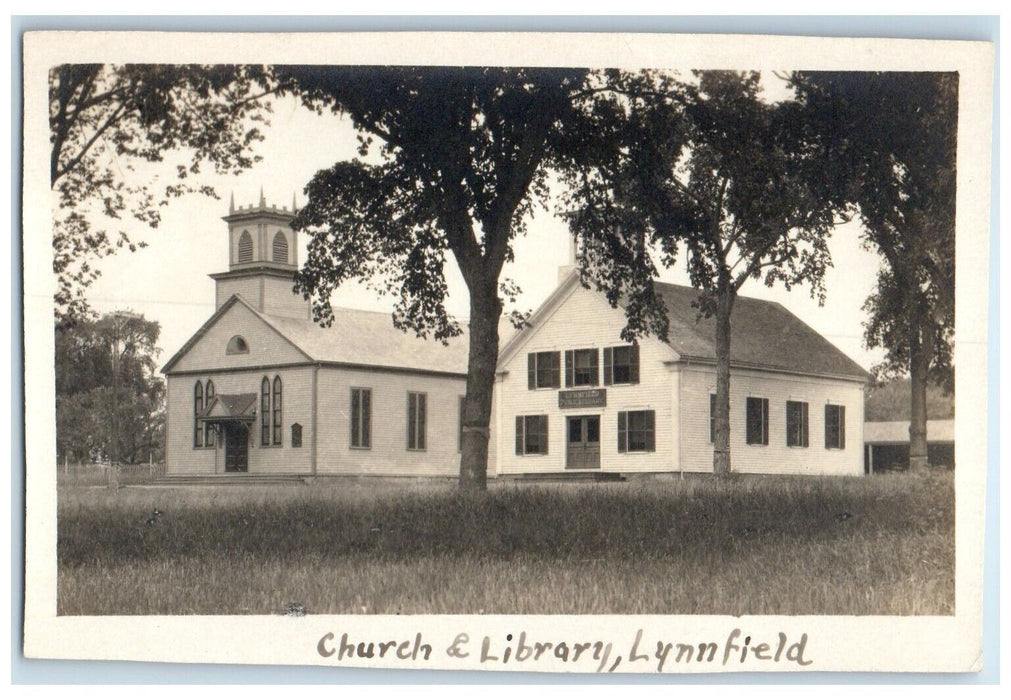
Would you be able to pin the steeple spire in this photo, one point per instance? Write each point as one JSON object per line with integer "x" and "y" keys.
{"x": 263, "y": 202}
{"x": 293, "y": 202}
{"x": 231, "y": 203}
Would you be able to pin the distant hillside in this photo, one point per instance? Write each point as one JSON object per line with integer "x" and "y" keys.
{"x": 891, "y": 402}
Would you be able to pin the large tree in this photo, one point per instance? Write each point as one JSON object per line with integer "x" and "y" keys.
{"x": 453, "y": 162}
{"x": 109, "y": 400}
{"x": 891, "y": 141}
{"x": 708, "y": 168}
{"x": 105, "y": 122}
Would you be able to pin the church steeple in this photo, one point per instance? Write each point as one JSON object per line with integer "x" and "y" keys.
{"x": 262, "y": 258}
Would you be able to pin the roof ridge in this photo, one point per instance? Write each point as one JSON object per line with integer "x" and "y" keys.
{"x": 740, "y": 296}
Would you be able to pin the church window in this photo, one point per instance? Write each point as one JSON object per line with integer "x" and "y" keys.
{"x": 296, "y": 435}
{"x": 237, "y": 346}
{"x": 198, "y": 407}
{"x": 208, "y": 430}
{"x": 277, "y": 410}
{"x": 265, "y": 412}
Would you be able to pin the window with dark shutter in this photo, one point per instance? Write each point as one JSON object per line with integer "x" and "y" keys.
{"x": 416, "y": 419}
{"x": 296, "y": 435}
{"x": 835, "y": 427}
{"x": 361, "y": 418}
{"x": 796, "y": 424}
{"x": 621, "y": 365}
{"x": 459, "y": 437}
{"x": 636, "y": 431}
{"x": 543, "y": 370}
{"x": 757, "y": 421}
{"x": 712, "y": 418}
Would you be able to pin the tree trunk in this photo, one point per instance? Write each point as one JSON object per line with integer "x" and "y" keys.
{"x": 921, "y": 348}
{"x": 485, "y": 311}
{"x": 721, "y": 437}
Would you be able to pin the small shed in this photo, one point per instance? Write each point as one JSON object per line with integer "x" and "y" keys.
{"x": 886, "y": 444}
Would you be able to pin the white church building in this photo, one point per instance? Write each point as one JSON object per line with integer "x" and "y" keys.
{"x": 260, "y": 389}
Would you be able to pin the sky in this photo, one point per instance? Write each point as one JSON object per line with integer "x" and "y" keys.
{"x": 168, "y": 280}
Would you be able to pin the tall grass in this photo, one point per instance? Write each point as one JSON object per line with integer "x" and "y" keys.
{"x": 758, "y": 545}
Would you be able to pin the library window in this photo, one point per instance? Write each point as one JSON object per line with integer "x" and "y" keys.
{"x": 757, "y": 419}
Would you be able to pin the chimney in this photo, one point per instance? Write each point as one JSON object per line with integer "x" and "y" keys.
{"x": 570, "y": 266}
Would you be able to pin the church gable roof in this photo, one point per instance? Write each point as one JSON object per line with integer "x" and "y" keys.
{"x": 207, "y": 349}
{"x": 358, "y": 338}
{"x": 369, "y": 339}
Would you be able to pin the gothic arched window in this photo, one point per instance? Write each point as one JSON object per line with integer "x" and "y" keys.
{"x": 245, "y": 248}
{"x": 265, "y": 412}
{"x": 198, "y": 407}
{"x": 277, "y": 410}
{"x": 280, "y": 248}
{"x": 208, "y": 430}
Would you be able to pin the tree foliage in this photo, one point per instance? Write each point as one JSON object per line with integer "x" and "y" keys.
{"x": 87, "y": 355}
{"x": 709, "y": 170}
{"x": 453, "y": 162}
{"x": 105, "y": 122}
{"x": 892, "y": 139}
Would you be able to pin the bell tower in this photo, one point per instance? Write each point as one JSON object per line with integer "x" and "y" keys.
{"x": 262, "y": 259}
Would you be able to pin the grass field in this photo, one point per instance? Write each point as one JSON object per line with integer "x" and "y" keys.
{"x": 741, "y": 545}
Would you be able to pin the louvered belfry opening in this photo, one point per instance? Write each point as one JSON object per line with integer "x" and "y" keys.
{"x": 280, "y": 248}
{"x": 263, "y": 257}
{"x": 245, "y": 254}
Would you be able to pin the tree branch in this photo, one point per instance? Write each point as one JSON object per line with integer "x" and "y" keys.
{"x": 113, "y": 118}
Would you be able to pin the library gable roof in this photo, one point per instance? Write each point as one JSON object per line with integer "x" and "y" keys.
{"x": 764, "y": 335}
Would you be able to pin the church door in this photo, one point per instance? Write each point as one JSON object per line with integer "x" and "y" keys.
{"x": 236, "y": 448}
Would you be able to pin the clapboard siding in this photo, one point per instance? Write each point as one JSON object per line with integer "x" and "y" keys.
{"x": 180, "y": 455}
{"x": 266, "y": 346}
{"x": 280, "y": 300}
{"x": 776, "y": 457}
{"x": 246, "y": 287}
{"x": 583, "y": 319}
{"x": 388, "y": 454}
{"x": 296, "y": 407}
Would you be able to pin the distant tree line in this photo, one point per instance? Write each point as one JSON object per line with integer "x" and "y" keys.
{"x": 109, "y": 401}
{"x": 889, "y": 401}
